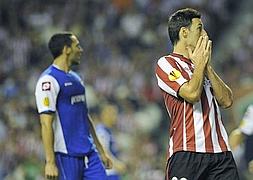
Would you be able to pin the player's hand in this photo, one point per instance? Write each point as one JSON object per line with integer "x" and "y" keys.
{"x": 120, "y": 167}
{"x": 107, "y": 161}
{"x": 51, "y": 171}
{"x": 235, "y": 138}
{"x": 202, "y": 52}
{"x": 250, "y": 166}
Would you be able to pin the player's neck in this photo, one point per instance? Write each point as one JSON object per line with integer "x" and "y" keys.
{"x": 180, "y": 48}
{"x": 62, "y": 63}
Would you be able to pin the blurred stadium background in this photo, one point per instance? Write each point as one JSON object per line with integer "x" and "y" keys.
{"x": 122, "y": 41}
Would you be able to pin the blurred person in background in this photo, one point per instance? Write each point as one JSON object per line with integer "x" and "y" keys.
{"x": 244, "y": 134}
{"x": 66, "y": 127}
{"x": 108, "y": 119}
{"x": 198, "y": 145}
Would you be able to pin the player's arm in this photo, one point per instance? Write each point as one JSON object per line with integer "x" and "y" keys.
{"x": 103, "y": 153}
{"x": 237, "y": 136}
{"x": 222, "y": 92}
{"x": 46, "y": 92}
{"x": 104, "y": 139}
{"x": 191, "y": 90}
{"x": 46, "y": 121}
{"x": 117, "y": 164}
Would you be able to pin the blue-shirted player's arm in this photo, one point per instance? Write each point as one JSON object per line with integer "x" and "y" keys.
{"x": 103, "y": 153}
{"x": 46, "y": 121}
{"x": 46, "y": 92}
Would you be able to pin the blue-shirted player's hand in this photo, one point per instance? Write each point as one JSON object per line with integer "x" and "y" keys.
{"x": 107, "y": 161}
{"x": 51, "y": 171}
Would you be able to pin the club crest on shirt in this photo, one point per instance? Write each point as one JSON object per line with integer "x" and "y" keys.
{"x": 46, "y": 102}
{"x": 46, "y": 86}
{"x": 174, "y": 75}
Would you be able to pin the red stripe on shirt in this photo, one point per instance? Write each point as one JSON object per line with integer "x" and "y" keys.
{"x": 182, "y": 58}
{"x": 206, "y": 124}
{"x": 222, "y": 143}
{"x": 190, "y": 130}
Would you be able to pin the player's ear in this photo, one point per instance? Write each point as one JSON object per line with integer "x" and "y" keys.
{"x": 183, "y": 32}
{"x": 66, "y": 50}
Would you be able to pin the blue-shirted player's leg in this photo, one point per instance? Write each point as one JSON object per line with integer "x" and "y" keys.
{"x": 69, "y": 167}
{"x": 95, "y": 169}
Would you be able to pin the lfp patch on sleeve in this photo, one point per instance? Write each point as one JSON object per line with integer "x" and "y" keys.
{"x": 46, "y": 102}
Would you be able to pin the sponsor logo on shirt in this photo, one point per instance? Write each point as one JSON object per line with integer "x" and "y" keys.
{"x": 46, "y": 102}
{"x": 46, "y": 86}
{"x": 67, "y": 84}
{"x": 77, "y": 99}
{"x": 174, "y": 75}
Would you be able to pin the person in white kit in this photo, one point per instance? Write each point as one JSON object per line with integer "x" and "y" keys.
{"x": 245, "y": 130}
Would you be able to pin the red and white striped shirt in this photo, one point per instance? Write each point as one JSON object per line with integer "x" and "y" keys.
{"x": 194, "y": 127}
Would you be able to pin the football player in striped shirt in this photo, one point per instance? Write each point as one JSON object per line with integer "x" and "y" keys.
{"x": 68, "y": 133}
{"x": 193, "y": 92}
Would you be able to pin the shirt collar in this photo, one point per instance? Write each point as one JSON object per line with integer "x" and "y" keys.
{"x": 187, "y": 60}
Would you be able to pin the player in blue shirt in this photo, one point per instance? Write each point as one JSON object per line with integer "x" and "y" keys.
{"x": 66, "y": 127}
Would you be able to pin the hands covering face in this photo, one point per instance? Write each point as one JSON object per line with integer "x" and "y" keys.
{"x": 201, "y": 55}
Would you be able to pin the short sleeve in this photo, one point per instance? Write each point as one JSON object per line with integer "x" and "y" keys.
{"x": 46, "y": 92}
{"x": 246, "y": 125}
{"x": 169, "y": 77}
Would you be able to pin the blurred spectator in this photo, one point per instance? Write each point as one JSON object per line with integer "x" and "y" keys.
{"x": 104, "y": 129}
{"x": 241, "y": 141}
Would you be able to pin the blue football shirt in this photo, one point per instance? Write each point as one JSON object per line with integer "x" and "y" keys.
{"x": 64, "y": 94}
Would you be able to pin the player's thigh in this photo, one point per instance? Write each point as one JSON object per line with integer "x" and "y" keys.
{"x": 186, "y": 166}
{"x": 69, "y": 167}
{"x": 95, "y": 169}
{"x": 224, "y": 168}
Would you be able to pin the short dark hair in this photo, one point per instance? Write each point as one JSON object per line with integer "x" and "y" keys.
{"x": 181, "y": 18}
{"x": 57, "y": 43}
